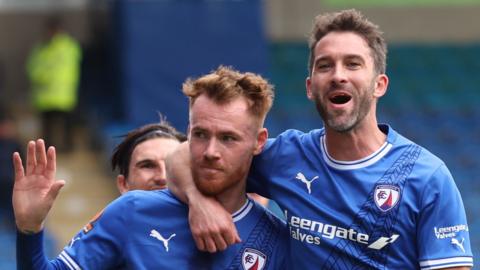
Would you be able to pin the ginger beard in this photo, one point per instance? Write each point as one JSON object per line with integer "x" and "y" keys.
{"x": 212, "y": 178}
{"x": 222, "y": 139}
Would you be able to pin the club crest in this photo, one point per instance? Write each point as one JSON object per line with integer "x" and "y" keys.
{"x": 253, "y": 259}
{"x": 386, "y": 197}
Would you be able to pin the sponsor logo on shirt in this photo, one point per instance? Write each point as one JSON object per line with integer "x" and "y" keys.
{"x": 449, "y": 232}
{"x": 458, "y": 244}
{"x": 253, "y": 259}
{"x": 313, "y": 232}
{"x": 158, "y": 236}
{"x": 386, "y": 196}
{"x": 74, "y": 239}
{"x": 307, "y": 182}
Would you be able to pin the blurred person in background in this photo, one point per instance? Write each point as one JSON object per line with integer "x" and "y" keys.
{"x": 149, "y": 229}
{"x": 53, "y": 69}
{"x": 356, "y": 194}
{"x": 140, "y": 157}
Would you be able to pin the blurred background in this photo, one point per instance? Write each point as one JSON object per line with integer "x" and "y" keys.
{"x": 135, "y": 54}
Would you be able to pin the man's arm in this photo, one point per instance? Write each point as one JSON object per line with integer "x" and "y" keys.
{"x": 34, "y": 192}
{"x": 211, "y": 225}
{"x": 30, "y": 253}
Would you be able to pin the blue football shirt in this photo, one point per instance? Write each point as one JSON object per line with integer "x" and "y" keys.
{"x": 398, "y": 208}
{"x": 150, "y": 230}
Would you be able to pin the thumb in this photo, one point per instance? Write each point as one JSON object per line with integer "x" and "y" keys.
{"x": 55, "y": 189}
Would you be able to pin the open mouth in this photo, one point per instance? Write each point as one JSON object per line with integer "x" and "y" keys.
{"x": 340, "y": 98}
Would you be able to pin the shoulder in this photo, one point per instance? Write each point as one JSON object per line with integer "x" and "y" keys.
{"x": 149, "y": 198}
{"x": 269, "y": 220}
{"x": 425, "y": 161}
{"x": 134, "y": 207}
{"x": 292, "y": 140}
{"x": 429, "y": 173}
{"x": 294, "y": 134}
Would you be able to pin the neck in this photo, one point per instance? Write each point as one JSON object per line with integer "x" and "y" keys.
{"x": 234, "y": 197}
{"x": 355, "y": 144}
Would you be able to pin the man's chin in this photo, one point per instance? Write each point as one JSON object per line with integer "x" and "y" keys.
{"x": 209, "y": 187}
{"x": 157, "y": 187}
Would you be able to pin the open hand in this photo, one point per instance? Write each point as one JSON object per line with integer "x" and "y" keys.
{"x": 35, "y": 188}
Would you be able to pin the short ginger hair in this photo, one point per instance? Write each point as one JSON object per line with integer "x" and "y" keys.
{"x": 226, "y": 84}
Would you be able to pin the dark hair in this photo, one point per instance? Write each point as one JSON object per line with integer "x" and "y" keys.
{"x": 349, "y": 21}
{"x": 123, "y": 152}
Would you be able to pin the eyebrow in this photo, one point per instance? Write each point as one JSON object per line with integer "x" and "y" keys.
{"x": 348, "y": 56}
{"x": 355, "y": 56}
{"x": 144, "y": 161}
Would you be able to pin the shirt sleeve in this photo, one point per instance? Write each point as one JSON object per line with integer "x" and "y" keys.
{"x": 99, "y": 245}
{"x": 259, "y": 178}
{"x": 30, "y": 253}
{"x": 443, "y": 237}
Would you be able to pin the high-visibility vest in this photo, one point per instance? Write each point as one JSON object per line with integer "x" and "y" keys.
{"x": 54, "y": 70}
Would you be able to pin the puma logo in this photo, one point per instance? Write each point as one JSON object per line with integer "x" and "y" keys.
{"x": 308, "y": 183}
{"x": 458, "y": 244}
{"x": 73, "y": 241}
{"x": 156, "y": 234}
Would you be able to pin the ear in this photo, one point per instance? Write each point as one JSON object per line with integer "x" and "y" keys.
{"x": 262, "y": 137}
{"x": 122, "y": 184}
{"x": 308, "y": 86}
{"x": 381, "y": 84}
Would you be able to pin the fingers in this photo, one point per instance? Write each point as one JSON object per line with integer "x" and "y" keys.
{"x": 18, "y": 167}
{"x": 41, "y": 157}
{"x": 210, "y": 245}
{"x": 231, "y": 237}
{"x": 213, "y": 242}
{"x": 219, "y": 242}
{"x": 237, "y": 238}
{"x": 208, "y": 242}
{"x": 55, "y": 189}
{"x": 200, "y": 243}
{"x": 31, "y": 159}
{"x": 51, "y": 163}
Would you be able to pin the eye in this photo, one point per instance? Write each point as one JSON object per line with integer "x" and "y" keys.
{"x": 229, "y": 138}
{"x": 199, "y": 134}
{"x": 148, "y": 166}
{"x": 354, "y": 64}
{"x": 323, "y": 66}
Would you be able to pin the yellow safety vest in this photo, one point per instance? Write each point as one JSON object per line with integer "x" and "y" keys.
{"x": 54, "y": 70}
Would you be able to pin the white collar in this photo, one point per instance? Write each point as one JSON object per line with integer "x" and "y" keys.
{"x": 355, "y": 164}
{"x": 243, "y": 211}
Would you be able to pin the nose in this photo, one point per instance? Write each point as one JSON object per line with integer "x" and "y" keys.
{"x": 161, "y": 171}
{"x": 339, "y": 74}
{"x": 159, "y": 178}
{"x": 212, "y": 151}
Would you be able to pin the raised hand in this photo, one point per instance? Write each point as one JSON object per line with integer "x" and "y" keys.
{"x": 35, "y": 188}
